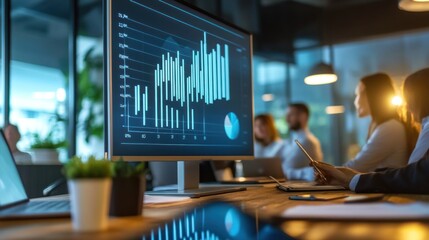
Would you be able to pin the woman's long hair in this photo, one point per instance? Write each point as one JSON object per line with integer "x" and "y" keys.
{"x": 380, "y": 91}
{"x": 416, "y": 88}
{"x": 268, "y": 120}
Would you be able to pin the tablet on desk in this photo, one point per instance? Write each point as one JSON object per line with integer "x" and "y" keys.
{"x": 312, "y": 161}
{"x": 251, "y": 180}
{"x": 307, "y": 187}
{"x": 296, "y": 186}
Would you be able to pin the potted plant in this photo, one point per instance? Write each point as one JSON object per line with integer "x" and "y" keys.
{"x": 128, "y": 188}
{"x": 89, "y": 184}
{"x": 44, "y": 149}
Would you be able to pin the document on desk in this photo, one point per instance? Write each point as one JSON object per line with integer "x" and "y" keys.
{"x": 306, "y": 186}
{"x": 367, "y": 211}
{"x": 163, "y": 201}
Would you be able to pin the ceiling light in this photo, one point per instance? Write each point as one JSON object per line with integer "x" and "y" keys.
{"x": 320, "y": 74}
{"x": 414, "y": 5}
{"x": 268, "y": 97}
{"x": 334, "y": 109}
{"x": 61, "y": 94}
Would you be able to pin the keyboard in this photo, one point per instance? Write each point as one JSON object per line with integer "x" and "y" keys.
{"x": 38, "y": 209}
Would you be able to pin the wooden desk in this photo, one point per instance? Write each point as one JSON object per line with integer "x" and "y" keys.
{"x": 264, "y": 202}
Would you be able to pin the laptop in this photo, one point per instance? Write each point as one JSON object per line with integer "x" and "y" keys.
{"x": 263, "y": 167}
{"x": 14, "y": 202}
{"x": 257, "y": 171}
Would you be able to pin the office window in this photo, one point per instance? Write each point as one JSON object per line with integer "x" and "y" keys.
{"x": 398, "y": 56}
{"x": 270, "y": 88}
{"x": 90, "y": 119}
{"x": 317, "y": 97}
{"x": 341, "y": 135}
{"x": 276, "y": 84}
{"x": 39, "y": 70}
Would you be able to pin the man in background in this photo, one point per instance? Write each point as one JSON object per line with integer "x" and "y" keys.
{"x": 12, "y": 136}
{"x": 295, "y": 164}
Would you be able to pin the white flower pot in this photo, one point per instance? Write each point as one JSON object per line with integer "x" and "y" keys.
{"x": 90, "y": 199}
{"x": 45, "y": 156}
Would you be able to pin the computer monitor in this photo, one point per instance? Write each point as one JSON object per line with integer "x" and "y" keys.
{"x": 179, "y": 86}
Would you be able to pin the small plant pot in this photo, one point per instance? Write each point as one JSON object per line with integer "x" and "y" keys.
{"x": 45, "y": 156}
{"x": 90, "y": 199}
{"x": 127, "y": 196}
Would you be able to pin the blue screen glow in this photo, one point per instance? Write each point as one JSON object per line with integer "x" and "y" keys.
{"x": 11, "y": 187}
{"x": 180, "y": 82}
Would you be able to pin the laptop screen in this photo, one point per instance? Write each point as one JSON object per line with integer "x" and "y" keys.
{"x": 11, "y": 187}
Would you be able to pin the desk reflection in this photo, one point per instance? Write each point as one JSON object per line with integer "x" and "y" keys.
{"x": 216, "y": 221}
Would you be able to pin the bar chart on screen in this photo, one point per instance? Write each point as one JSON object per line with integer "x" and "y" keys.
{"x": 176, "y": 85}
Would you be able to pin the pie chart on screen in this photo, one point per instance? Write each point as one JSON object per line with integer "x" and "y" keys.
{"x": 232, "y": 126}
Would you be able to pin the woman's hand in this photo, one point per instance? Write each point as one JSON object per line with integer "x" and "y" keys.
{"x": 335, "y": 175}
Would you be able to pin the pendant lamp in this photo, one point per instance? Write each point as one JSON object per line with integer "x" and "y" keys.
{"x": 322, "y": 73}
{"x": 414, "y": 5}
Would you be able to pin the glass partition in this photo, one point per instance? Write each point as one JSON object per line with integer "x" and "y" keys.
{"x": 39, "y": 71}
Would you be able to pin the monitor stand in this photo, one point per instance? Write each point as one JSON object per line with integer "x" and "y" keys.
{"x": 188, "y": 179}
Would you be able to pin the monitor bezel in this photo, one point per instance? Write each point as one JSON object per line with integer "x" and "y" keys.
{"x": 107, "y": 63}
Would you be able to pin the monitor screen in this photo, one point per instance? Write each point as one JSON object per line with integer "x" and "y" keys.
{"x": 11, "y": 187}
{"x": 179, "y": 84}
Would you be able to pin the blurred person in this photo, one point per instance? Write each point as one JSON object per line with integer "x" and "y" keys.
{"x": 412, "y": 178}
{"x": 13, "y": 136}
{"x": 267, "y": 140}
{"x": 390, "y": 139}
{"x": 294, "y": 162}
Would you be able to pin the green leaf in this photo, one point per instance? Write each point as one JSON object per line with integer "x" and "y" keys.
{"x": 92, "y": 168}
{"x": 125, "y": 169}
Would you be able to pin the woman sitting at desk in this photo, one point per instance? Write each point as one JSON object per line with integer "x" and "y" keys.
{"x": 390, "y": 139}
{"x": 414, "y": 177}
{"x": 268, "y": 142}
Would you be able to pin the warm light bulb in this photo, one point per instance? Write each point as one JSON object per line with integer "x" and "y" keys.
{"x": 397, "y": 101}
{"x": 268, "y": 97}
{"x": 320, "y": 79}
{"x": 414, "y": 5}
{"x": 61, "y": 94}
{"x": 334, "y": 109}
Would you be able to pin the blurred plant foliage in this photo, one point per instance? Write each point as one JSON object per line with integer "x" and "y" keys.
{"x": 124, "y": 169}
{"x": 92, "y": 168}
{"x": 90, "y": 96}
{"x": 52, "y": 139}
